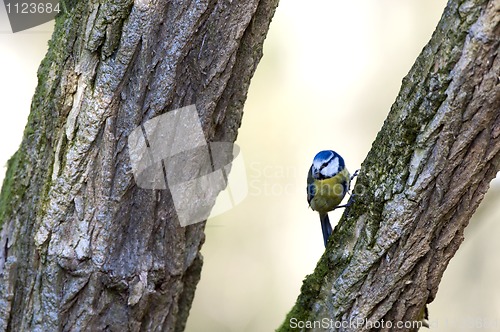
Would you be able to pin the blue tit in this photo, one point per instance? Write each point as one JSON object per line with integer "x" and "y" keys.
{"x": 327, "y": 183}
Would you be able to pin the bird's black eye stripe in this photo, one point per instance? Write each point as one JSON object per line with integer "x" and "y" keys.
{"x": 327, "y": 162}
{"x": 341, "y": 162}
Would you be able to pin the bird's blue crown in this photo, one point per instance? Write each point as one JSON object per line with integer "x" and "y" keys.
{"x": 327, "y": 163}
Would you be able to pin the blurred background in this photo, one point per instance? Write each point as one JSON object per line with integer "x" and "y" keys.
{"x": 329, "y": 75}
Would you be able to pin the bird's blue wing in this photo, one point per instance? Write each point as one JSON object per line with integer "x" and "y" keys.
{"x": 311, "y": 188}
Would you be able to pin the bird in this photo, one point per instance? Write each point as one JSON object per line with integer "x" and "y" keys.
{"x": 328, "y": 181}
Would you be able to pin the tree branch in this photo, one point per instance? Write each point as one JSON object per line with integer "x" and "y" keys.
{"x": 83, "y": 248}
{"x": 424, "y": 177}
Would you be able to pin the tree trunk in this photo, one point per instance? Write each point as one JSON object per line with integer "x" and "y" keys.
{"x": 424, "y": 177}
{"x": 82, "y": 246}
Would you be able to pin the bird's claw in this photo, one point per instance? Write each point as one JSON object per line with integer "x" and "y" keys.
{"x": 355, "y": 174}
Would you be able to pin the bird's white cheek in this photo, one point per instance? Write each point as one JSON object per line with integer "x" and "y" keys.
{"x": 332, "y": 168}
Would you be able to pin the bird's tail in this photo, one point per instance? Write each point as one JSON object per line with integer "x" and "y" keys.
{"x": 326, "y": 227}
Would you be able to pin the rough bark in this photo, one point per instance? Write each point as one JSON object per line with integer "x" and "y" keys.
{"x": 424, "y": 177}
{"x": 82, "y": 247}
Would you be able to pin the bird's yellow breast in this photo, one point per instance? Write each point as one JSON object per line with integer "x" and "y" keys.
{"x": 328, "y": 193}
